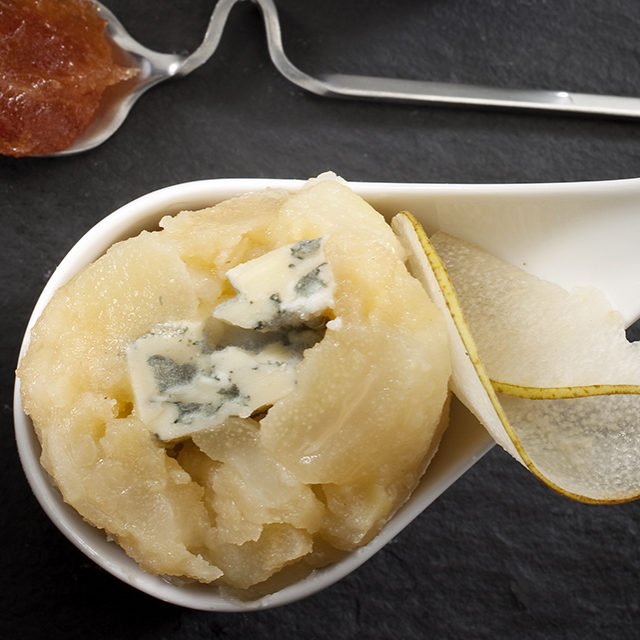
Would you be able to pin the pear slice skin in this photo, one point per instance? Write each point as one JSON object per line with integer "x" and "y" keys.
{"x": 550, "y": 430}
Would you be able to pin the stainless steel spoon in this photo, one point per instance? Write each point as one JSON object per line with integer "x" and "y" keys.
{"x": 155, "y": 67}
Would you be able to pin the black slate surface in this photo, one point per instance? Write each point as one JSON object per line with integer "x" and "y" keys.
{"x": 498, "y": 555}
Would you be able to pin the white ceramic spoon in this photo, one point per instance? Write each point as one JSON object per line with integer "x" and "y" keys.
{"x": 573, "y": 234}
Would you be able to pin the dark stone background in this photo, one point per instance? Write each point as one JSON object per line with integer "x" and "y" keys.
{"x": 499, "y": 555}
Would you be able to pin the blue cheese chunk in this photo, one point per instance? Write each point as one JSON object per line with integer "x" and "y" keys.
{"x": 286, "y": 287}
{"x": 191, "y": 376}
{"x": 182, "y": 386}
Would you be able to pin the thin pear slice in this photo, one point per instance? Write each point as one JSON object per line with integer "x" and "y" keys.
{"x": 579, "y": 340}
{"x": 550, "y": 374}
{"x": 470, "y": 381}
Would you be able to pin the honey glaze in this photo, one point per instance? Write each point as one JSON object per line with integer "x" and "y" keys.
{"x": 55, "y": 63}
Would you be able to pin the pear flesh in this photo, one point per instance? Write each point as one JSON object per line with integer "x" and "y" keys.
{"x": 316, "y": 471}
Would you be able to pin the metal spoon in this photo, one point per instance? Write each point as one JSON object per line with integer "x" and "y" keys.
{"x": 156, "y": 67}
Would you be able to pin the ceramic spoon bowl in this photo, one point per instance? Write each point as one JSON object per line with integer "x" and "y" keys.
{"x": 575, "y": 234}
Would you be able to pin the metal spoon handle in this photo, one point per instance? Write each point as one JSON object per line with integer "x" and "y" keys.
{"x": 210, "y": 40}
{"x": 438, "y": 93}
{"x": 157, "y": 66}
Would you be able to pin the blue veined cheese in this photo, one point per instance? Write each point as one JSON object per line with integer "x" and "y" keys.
{"x": 288, "y": 286}
{"x": 182, "y": 386}
{"x": 184, "y": 380}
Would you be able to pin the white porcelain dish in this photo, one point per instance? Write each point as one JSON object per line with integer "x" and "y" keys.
{"x": 574, "y": 234}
